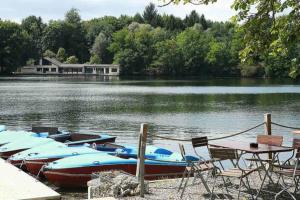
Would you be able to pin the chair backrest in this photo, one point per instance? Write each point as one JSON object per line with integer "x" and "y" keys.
{"x": 182, "y": 150}
{"x": 298, "y": 153}
{"x": 199, "y": 142}
{"x": 223, "y": 153}
{"x": 296, "y": 143}
{"x": 274, "y": 140}
{"x": 41, "y": 129}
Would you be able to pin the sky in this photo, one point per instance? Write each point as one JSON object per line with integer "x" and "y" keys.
{"x": 16, "y": 10}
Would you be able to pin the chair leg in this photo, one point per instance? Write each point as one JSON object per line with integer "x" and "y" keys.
{"x": 194, "y": 179}
{"x": 185, "y": 184}
{"x": 199, "y": 174}
{"x": 225, "y": 185}
{"x": 183, "y": 176}
{"x": 213, "y": 188}
{"x": 261, "y": 186}
{"x": 240, "y": 188}
{"x": 249, "y": 187}
{"x": 296, "y": 185}
{"x": 284, "y": 190}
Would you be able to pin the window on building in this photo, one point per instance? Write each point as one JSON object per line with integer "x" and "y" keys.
{"x": 38, "y": 69}
{"x": 79, "y": 70}
{"x": 106, "y": 70}
{"x": 53, "y": 69}
{"x": 89, "y": 70}
{"x": 114, "y": 70}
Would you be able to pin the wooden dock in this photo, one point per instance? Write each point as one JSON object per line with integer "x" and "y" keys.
{"x": 16, "y": 184}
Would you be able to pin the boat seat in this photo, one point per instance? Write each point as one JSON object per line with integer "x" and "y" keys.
{"x": 79, "y": 136}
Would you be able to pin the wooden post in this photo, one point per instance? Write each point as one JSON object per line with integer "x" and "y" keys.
{"x": 140, "y": 168}
{"x": 268, "y": 129}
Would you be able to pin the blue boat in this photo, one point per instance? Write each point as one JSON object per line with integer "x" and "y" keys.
{"x": 25, "y": 143}
{"x": 75, "y": 171}
{"x": 37, "y": 157}
{"x": 2, "y": 128}
{"x": 19, "y": 158}
{"x": 10, "y": 136}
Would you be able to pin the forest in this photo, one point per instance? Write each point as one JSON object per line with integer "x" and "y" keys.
{"x": 147, "y": 43}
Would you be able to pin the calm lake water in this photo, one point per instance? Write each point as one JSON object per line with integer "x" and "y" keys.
{"x": 174, "y": 108}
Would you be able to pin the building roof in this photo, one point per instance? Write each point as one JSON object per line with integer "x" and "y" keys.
{"x": 53, "y": 61}
{"x": 63, "y": 65}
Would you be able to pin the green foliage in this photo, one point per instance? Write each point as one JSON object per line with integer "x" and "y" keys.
{"x": 61, "y": 54}
{"x": 12, "y": 42}
{"x": 95, "y": 59}
{"x": 150, "y": 15}
{"x": 49, "y": 53}
{"x": 271, "y": 33}
{"x": 100, "y": 46}
{"x": 34, "y": 27}
{"x": 72, "y": 60}
{"x": 168, "y": 59}
{"x": 68, "y": 34}
{"x": 263, "y": 42}
{"x": 30, "y": 62}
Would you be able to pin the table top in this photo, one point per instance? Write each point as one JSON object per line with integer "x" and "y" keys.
{"x": 296, "y": 131}
{"x": 245, "y": 146}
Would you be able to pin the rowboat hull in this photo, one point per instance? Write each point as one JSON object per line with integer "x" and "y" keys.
{"x": 78, "y": 177}
{"x": 7, "y": 154}
{"x": 34, "y": 166}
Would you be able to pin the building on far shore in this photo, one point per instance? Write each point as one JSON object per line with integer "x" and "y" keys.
{"x": 53, "y": 66}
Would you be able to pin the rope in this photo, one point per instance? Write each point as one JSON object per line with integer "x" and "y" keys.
{"x": 280, "y": 125}
{"x": 235, "y": 134}
{"x": 188, "y": 140}
{"x": 174, "y": 139}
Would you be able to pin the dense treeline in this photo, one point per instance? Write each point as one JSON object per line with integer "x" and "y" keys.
{"x": 143, "y": 44}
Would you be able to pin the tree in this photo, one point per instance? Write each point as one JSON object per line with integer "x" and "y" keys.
{"x": 30, "y": 62}
{"x": 72, "y": 60}
{"x": 12, "y": 42}
{"x": 168, "y": 59}
{"x": 34, "y": 27}
{"x": 150, "y": 15}
{"x": 73, "y": 17}
{"x": 61, "y": 54}
{"x": 271, "y": 27}
{"x": 138, "y": 18}
{"x": 75, "y": 43}
{"x": 95, "y": 59}
{"x": 49, "y": 53}
{"x": 191, "y": 19}
{"x": 100, "y": 46}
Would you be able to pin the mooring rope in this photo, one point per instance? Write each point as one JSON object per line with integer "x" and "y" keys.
{"x": 219, "y": 138}
{"x": 283, "y": 126}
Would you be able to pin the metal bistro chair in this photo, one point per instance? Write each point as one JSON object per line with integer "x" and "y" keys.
{"x": 293, "y": 173}
{"x": 236, "y": 172}
{"x": 288, "y": 164}
{"x": 273, "y": 140}
{"x": 195, "y": 168}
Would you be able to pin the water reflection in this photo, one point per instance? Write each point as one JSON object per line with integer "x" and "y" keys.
{"x": 177, "y": 108}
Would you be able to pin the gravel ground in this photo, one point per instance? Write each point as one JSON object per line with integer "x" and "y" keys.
{"x": 168, "y": 190}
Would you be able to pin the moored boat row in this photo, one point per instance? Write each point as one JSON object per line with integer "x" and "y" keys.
{"x": 68, "y": 160}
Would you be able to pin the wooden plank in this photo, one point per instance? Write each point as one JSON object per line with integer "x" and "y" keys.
{"x": 16, "y": 184}
{"x": 141, "y": 157}
{"x": 268, "y": 126}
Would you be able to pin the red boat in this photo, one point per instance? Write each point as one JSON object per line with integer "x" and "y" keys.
{"x": 75, "y": 171}
{"x": 35, "y": 162}
{"x": 17, "y": 152}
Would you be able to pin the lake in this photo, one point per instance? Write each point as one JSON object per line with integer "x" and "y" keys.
{"x": 173, "y": 108}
